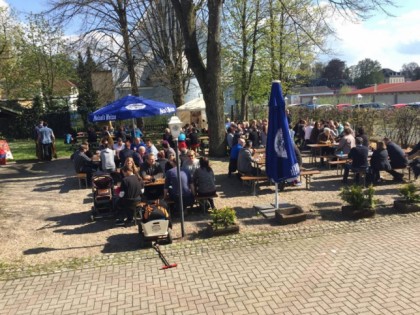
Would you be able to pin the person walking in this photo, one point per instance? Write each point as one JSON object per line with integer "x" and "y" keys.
{"x": 46, "y": 138}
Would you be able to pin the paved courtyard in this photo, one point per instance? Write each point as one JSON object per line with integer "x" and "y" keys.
{"x": 365, "y": 267}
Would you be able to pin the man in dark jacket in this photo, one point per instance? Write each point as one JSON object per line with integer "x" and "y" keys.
{"x": 359, "y": 157}
{"x": 397, "y": 158}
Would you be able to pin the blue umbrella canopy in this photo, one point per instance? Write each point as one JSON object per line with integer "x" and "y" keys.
{"x": 280, "y": 157}
{"x": 130, "y": 107}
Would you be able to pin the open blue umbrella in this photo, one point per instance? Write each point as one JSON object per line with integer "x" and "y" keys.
{"x": 280, "y": 157}
{"x": 130, "y": 107}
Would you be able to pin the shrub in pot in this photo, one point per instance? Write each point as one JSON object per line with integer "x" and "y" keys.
{"x": 361, "y": 203}
{"x": 410, "y": 201}
{"x": 223, "y": 221}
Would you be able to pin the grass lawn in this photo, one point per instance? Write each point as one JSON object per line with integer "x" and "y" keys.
{"x": 25, "y": 149}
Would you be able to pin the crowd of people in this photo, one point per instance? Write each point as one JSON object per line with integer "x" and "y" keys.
{"x": 135, "y": 163}
{"x": 341, "y": 139}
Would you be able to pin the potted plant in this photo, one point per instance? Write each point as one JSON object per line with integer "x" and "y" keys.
{"x": 410, "y": 201}
{"x": 360, "y": 201}
{"x": 223, "y": 221}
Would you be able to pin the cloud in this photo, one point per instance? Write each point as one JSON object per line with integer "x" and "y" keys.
{"x": 3, "y": 4}
{"x": 393, "y": 41}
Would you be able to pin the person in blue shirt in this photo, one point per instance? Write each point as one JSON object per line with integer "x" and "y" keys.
{"x": 234, "y": 153}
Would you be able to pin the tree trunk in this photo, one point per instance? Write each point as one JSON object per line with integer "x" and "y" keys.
{"x": 208, "y": 76}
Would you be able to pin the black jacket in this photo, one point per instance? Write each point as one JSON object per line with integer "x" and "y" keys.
{"x": 396, "y": 155}
{"x": 359, "y": 156}
{"x": 380, "y": 161}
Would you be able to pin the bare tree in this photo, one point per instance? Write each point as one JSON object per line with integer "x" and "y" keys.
{"x": 160, "y": 43}
{"x": 106, "y": 21}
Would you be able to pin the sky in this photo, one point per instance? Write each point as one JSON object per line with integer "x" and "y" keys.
{"x": 393, "y": 41}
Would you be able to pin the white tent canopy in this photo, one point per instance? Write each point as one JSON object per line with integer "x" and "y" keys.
{"x": 193, "y": 112}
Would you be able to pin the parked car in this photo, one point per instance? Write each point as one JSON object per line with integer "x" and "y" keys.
{"x": 325, "y": 106}
{"x": 414, "y": 105}
{"x": 371, "y": 106}
{"x": 343, "y": 106}
{"x": 399, "y": 105}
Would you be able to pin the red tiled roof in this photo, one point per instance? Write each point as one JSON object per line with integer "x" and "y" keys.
{"x": 413, "y": 86}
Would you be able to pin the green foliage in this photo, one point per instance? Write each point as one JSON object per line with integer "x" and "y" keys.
{"x": 358, "y": 197}
{"x": 367, "y": 72}
{"x": 408, "y": 191}
{"x": 25, "y": 149}
{"x": 87, "y": 101}
{"x": 222, "y": 218}
{"x": 402, "y": 125}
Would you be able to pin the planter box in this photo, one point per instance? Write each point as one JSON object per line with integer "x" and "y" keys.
{"x": 350, "y": 212}
{"x": 405, "y": 207}
{"x": 290, "y": 215}
{"x": 232, "y": 229}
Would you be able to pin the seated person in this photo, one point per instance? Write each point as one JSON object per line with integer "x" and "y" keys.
{"x": 326, "y": 137}
{"x": 397, "y": 158}
{"x": 171, "y": 188}
{"x": 194, "y": 140}
{"x": 107, "y": 158}
{"x": 234, "y": 154}
{"x": 149, "y": 171}
{"x": 346, "y": 142}
{"x": 246, "y": 161}
{"x": 191, "y": 164}
{"x": 130, "y": 192}
{"x": 84, "y": 164}
{"x": 414, "y": 157}
{"x": 204, "y": 181}
{"x": 359, "y": 156}
{"x": 379, "y": 161}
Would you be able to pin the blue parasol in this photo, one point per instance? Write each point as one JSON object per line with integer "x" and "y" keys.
{"x": 130, "y": 107}
{"x": 280, "y": 157}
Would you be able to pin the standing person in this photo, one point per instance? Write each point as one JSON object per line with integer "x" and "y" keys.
{"x": 359, "y": 157}
{"x": 397, "y": 157}
{"x": 204, "y": 181}
{"x": 131, "y": 189}
{"x": 264, "y": 132}
{"x": 46, "y": 138}
{"x": 38, "y": 145}
{"x": 92, "y": 137}
{"x": 379, "y": 161}
{"x": 171, "y": 188}
{"x": 194, "y": 140}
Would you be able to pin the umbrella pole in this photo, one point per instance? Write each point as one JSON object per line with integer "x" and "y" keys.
{"x": 276, "y": 198}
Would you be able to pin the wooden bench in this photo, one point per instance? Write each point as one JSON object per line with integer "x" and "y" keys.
{"x": 339, "y": 164}
{"x": 308, "y": 174}
{"x": 201, "y": 200}
{"x": 80, "y": 177}
{"x": 254, "y": 181}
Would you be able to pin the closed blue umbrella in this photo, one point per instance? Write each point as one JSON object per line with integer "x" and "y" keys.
{"x": 130, "y": 107}
{"x": 280, "y": 157}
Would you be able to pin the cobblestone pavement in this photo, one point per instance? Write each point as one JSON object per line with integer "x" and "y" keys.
{"x": 365, "y": 267}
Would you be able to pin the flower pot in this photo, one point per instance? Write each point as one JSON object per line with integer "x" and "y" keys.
{"x": 290, "y": 215}
{"x": 352, "y": 213}
{"x": 404, "y": 206}
{"x": 231, "y": 229}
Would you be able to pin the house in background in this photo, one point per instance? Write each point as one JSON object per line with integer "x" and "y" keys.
{"x": 306, "y": 95}
{"x": 390, "y": 93}
{"x": 391, "y": 76}
{"x": 103, "y": 85}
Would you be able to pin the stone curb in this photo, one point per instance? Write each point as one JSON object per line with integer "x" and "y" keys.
{"x": 201, "y": 246}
